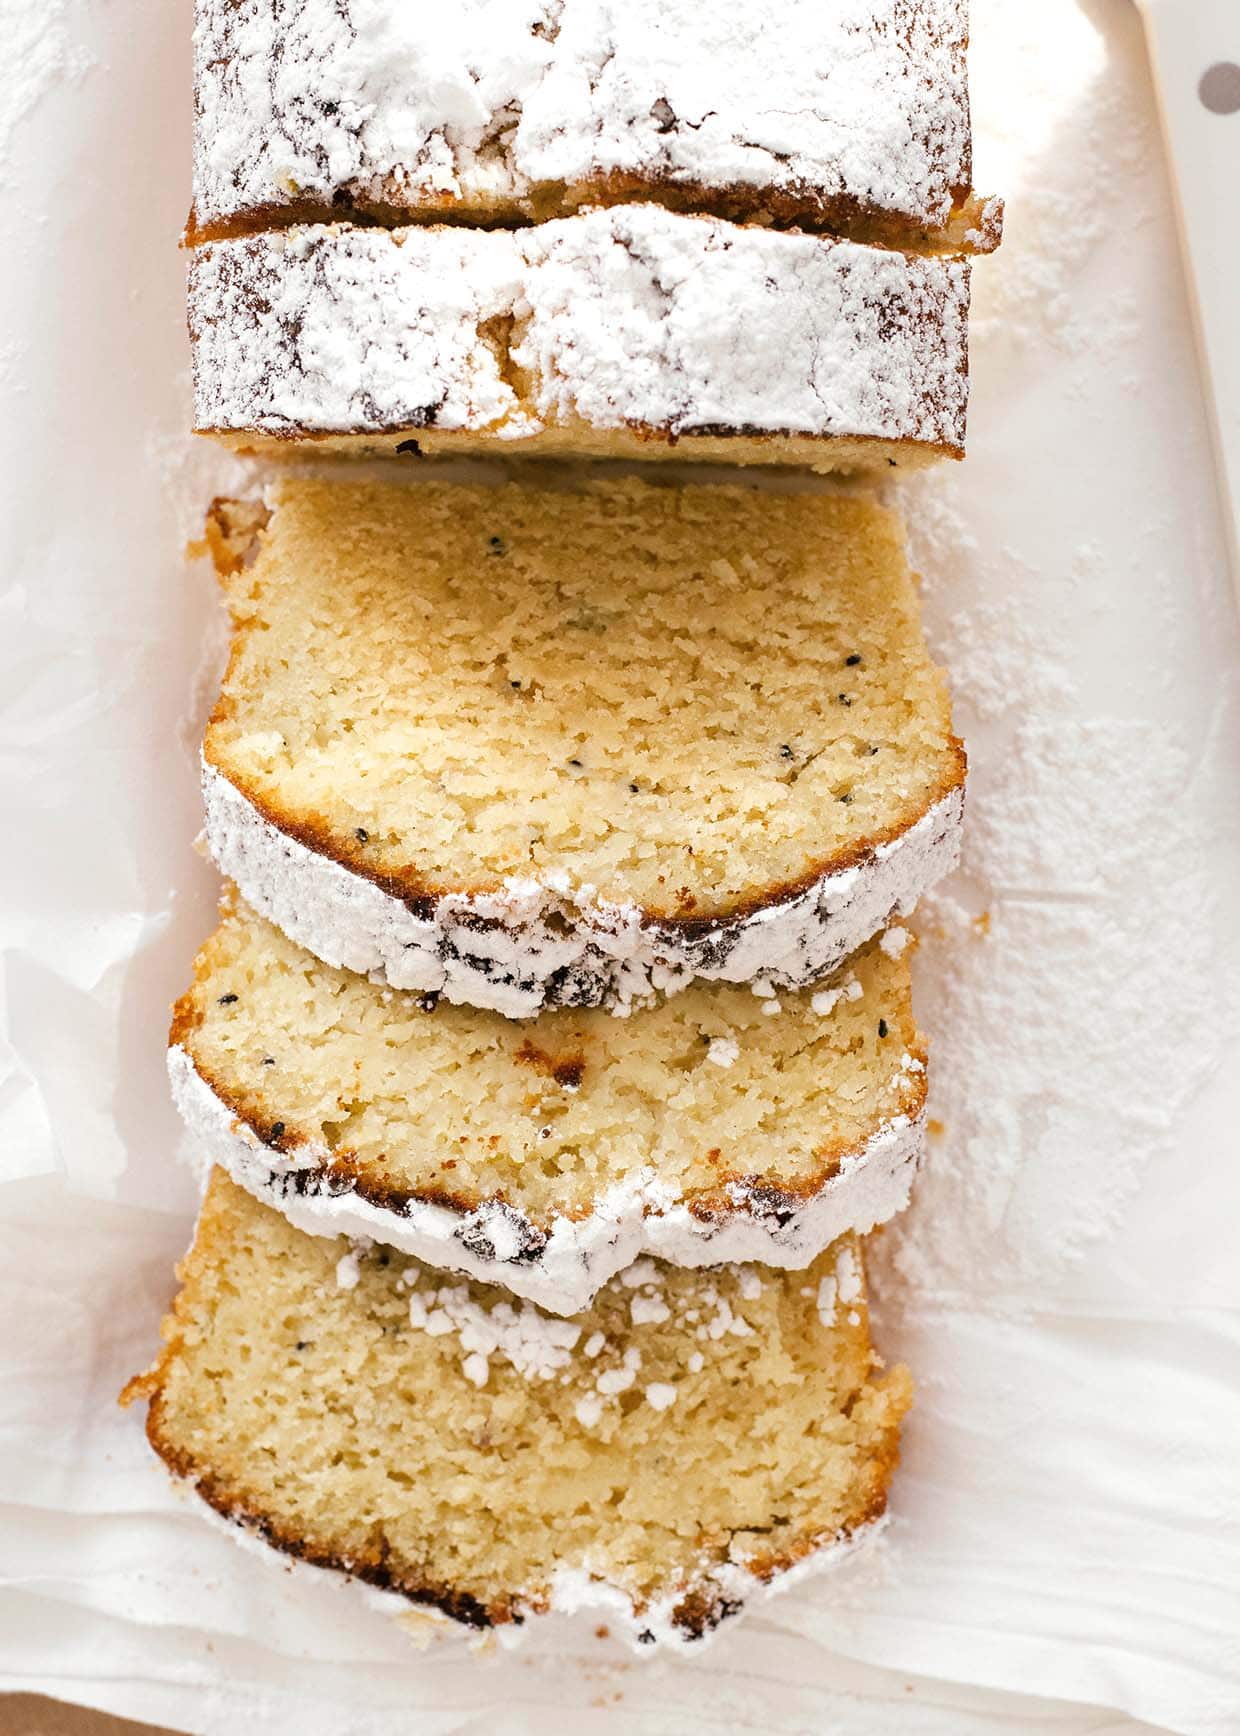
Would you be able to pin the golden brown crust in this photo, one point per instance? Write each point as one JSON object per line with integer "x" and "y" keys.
{"x": 422, "y": 440}
{"x": 975, "y": 225}
{"x": 373, "y": 1569}
{"x": 232, "y": 1504}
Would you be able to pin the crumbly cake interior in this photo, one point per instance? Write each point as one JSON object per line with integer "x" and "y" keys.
{"x": 357, "y": 1408}
{"x": 685, "y": 699}
{"x": 416, "y": 1098}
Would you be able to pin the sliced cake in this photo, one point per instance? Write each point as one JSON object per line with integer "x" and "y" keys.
{"x": 847, "y": 114}
{"x": 548, "y": 1155}
{"x": 684, "y": 1445}
{"x": 632, "y": 331}
{"x": 535, "y": 747}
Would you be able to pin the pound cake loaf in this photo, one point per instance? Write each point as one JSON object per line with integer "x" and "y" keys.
{"x": 625, "y": 332}
{"x": 547, "y": 1156}
{"x": 530, "y": 747}
{"x": 851, "y": 115}
{"x": 693, "y": 1440}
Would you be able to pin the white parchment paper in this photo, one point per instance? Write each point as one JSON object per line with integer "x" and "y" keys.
{"x": 1066, "y": 1286}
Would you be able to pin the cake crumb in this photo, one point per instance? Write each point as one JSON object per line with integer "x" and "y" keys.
{"x": 848, "y": 1275}
{"x": 589, "y": 1410}
{"x": 476, "y": 1368}
{"x": 617, "y": 1380}
{"x": 349, "y": 1266}
{"x": 643, "y": 1271}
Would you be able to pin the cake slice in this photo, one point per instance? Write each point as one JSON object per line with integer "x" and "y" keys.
{"x": 631, "y": 331}
{"x": 536, "y": 747}
{"x": 547, "y": 1156}
{"x": 850, "y": 115}
{"x": 681, "y": 1447}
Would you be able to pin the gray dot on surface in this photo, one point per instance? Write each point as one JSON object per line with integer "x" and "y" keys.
{"x": 1219, "y": 89}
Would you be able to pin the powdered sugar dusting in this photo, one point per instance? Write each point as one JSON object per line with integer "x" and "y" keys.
{"x": 825, "y": 1001}
{"x": 894, "y": 940}
{"x": 381, "y": 101}
{"x": 857, "y": 100}
{"x": 319, "y": 328}
{"x": 639, "y": 315}
{"x": 540, "y": 1346}
{"x": 349, "y": 1269}
{"x": 1039, "y": 977}
{"x": 843, "y": 1286}
{"x": 537, "y": 1345}
{"x": 630, "y": 317}
{"x": 1067, "y": 972}
{"x": 42, "y": 48}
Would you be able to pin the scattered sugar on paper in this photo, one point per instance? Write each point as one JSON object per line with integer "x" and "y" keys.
{"x": 41, "y": 50}
{"x": 1064, "y": 978}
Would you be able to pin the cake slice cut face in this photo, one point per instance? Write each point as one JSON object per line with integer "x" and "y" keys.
{"x": 548, "y": 1155}
{"x": 659, "y": 1460}
{"x": 849, "y": 115}
{"x": 630, "y": 332}
{"x": 537, "y": 747}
